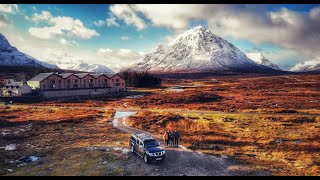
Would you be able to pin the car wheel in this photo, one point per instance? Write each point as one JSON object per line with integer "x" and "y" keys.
{"x": 132, "y": 149}
{"x": 145, "y": 159}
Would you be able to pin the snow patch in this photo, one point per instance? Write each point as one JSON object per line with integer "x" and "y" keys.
{"x": 11, "y": 147}
{"x": 123, "y": 150}
{"x": 261, "y": 60}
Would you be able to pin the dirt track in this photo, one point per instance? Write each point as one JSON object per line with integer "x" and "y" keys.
{"x": 184, "y": 162}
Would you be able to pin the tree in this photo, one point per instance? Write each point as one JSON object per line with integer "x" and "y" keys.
{"x": 141, "y": 79}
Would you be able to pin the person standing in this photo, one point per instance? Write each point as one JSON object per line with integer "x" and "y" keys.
{"x": 166, "y": 138}
{"x": 176, "y": 138}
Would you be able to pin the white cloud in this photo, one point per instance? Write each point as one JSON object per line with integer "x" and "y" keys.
{"x": 44, "y": 16}
{"x": 66, "y": 42}
{"x": 61, "y": 25}
{"x": 4, "y": 22}
{"x": 176, "y": 16}
{"x": 124, "y": 38}
{"x": 112, "y": 21}
{"x": 9, "y": 8}
{"x": 26, "y": 17}
{"x": 99, "y": 23}
{"x": 109, "y": 22}
{"x": 292, "y": 30}
{"x": 128, "y": 14}
{"x": 120, "y": 57}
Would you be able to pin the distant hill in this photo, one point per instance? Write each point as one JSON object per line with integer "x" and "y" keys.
{"x": 24, "y": 72}
{"x": 11, "y": 56}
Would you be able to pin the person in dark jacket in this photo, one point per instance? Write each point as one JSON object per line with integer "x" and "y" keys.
{"x": 171, "y": 138}
{"x": 176, "y": 135}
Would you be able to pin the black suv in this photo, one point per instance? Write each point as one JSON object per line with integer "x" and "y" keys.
{"x": 146, "y": 147}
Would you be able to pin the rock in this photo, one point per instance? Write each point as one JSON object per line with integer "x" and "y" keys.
{"x": 10, "y": 170}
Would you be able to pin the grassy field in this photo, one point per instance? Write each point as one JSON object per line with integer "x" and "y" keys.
{"x": 68, "y": 142}
{"x": 286, "y": 145}
{"x": 292, "y": 93}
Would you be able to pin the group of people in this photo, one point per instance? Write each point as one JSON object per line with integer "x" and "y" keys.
{"x": 171, "y": 138}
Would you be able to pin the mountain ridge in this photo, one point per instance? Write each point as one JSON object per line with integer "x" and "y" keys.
{"x": 196, "y": 51}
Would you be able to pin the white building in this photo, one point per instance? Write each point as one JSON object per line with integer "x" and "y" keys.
{"x": 14, "y": 88}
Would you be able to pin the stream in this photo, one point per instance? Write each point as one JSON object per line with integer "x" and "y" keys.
{"x": 122, "y": 115}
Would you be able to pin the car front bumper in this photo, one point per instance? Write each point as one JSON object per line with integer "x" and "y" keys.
{"x": 156, "y": 158}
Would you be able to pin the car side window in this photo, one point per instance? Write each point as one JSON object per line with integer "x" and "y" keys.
{"x": 140, "y": 143}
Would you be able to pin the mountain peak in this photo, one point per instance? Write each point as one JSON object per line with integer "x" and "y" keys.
{"x": 11, "y": 56}
{"x": 197, "y": 50}
{"x": 260, "y": 59}
{"x": 312, "y": 65}
{"x": 95, "y": 68}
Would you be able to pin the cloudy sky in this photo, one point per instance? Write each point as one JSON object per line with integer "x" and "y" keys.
{"x": 117, "y": 35}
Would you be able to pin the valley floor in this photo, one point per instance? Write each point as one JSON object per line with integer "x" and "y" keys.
{"x": 268, "y": 124}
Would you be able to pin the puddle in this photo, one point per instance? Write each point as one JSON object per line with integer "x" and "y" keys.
{"x": 34, "y": 158}
{"x": 123, "y": 115}
{"x": 175, "y": 89}
{"x": 134, "y": 96}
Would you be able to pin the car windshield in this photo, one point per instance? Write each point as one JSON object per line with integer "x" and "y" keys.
{"x": 151, "y": 143}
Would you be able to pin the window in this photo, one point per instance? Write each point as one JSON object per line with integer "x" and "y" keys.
{"x": 52, "y": 86}
{"x": 68, "y": 86}
{"x": 84, "y": 81}
{"x": 76, "y": 81}
{"x": 68, "y": 81}
{"x": 122, "y": 84}
{"x": 91, "y": 80}
{"x": 99, "y": 80}
{"x": 44, "y": 86}
{"x": 75, "y": 85}
{"x": 117, "y": 80}
{"x": 117, "y": 84}
{"x": 53, "y": 81}
{"x": 60, "y": 81}
{"x": 105, "y": 80}
{"x": 105, "y": 84}
{"x": 91, "y": 85}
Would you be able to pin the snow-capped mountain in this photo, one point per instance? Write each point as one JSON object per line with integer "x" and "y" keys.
{"x": 11, "y": 56}
{"x": 197, "y": 50}
{"x": 260, "y": 59}
{"x": 308, "y": 66}
{"x": 96, "y": 68}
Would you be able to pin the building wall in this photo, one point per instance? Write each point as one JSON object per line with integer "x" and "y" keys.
{"x": 34, "y": 84}
{"x": 103, "y": 81}
{"x": 118, "y": 83}
{"x": 86, "y": 82}
{"x": 25, "y": 89}
{"x": 77, "y": 92}
{"x": 72, "y": 82}
{"x": 52, "y": 82}
{"x": 56, "y": 86}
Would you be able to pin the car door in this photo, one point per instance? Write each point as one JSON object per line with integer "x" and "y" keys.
{"x": 140, "y": 148}
{"x": 136, "y": 146}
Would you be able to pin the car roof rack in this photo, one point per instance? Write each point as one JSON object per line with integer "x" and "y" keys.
{"x": 143, "y": 136}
